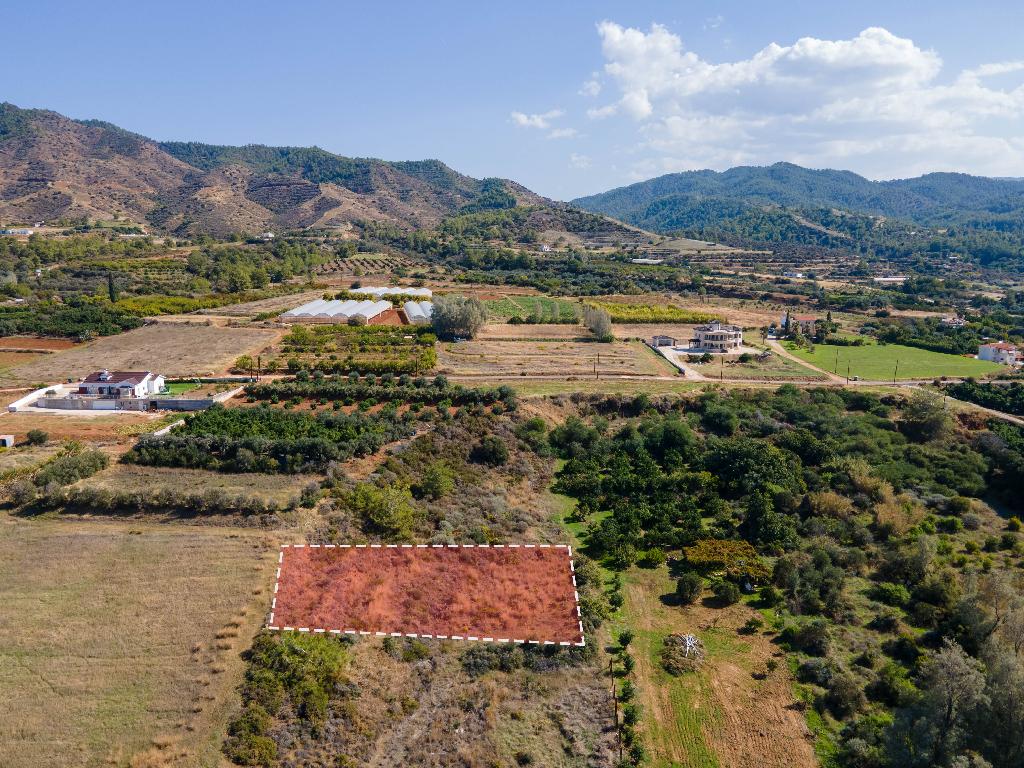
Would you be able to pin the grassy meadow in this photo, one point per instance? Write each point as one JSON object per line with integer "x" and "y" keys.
{"x": 878, "y": 362}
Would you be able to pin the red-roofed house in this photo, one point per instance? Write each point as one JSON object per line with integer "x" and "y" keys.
{"x": 121, "y": 384}
{"x": 1000, "y": 352}
{"x": 804, "y": 322}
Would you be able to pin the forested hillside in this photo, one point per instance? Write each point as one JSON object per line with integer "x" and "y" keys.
{"x": 940, "y": 213}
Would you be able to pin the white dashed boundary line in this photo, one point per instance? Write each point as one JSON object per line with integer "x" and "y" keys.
{"x": 471, "y": 638}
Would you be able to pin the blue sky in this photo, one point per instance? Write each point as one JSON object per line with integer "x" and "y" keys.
{"x": 569, "y": 98}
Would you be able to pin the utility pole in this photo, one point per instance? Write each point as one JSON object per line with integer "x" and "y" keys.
{"x": 847, "y": 373}
{"x": 895, "y": 371}
{"x": 835, "y": 368}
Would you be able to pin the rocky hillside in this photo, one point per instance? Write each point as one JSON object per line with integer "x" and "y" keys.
{"x": 53, "y": 167}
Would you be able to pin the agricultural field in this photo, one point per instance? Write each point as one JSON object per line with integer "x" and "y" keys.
{"x": 173, "y": 349}
{"x": 878, "y": 362}
{"x": 483, "y": 358}
{"x": 533, "y": 309}
{"x": 344, "y": 348}
{"x": 365, "y": 264}
{"x": 120, "y": 643}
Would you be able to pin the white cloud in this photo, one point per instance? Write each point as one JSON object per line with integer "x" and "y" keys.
{"x": 542, "y": 121}
{"x": 592, "y": 87}
{"x": 563, "y": 133}
{"x": 714, "y": 22}
{"x": 581, "y": 162}
{"x": 875, "y": 103}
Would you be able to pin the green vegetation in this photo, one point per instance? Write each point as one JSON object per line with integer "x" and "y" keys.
{"x": 264, "y": 439}
{"x": 1008, "y": 398}
{"x": 401, "y": 391}
{"x": 822, "y": 211}
{"x": 878, "y": 362}
{"x": 377, "y": 349}
{"x": 650, "y": 313}
{"x": 297, "y": 673}
{"x": 893, "y": 599}
{"x": 533, "y": 309}
{"x": 458, "y": 316}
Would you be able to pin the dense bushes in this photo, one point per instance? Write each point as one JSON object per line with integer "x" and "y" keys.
{"x": 1008, "y": 398}
{"x": 265, "y": 439}
{"x": 301, "y": 670}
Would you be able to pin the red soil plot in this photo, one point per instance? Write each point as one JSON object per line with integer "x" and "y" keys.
{"x": 507, "y": 594}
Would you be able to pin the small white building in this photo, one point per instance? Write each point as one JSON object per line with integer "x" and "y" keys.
{"x": 789, "y": 273}
{"x": 717, "y": 337}
{"x": 892, "y": 280}
{"x": 647, "y": 260}
{"x": 954, "y": 322}
{"x": 1000, "y": 352}
{"x": 663, "y": 341}
{"x": 6, "y": 441}
{"x": 121, "y": 384}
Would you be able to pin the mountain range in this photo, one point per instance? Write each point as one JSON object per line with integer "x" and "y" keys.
{"x": 53, "y": 167}
{"x": 679, "y": 201}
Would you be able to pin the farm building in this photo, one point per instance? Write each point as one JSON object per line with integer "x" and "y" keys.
{"x": 418, "y": 312}
{"x": 121, "y": 384}
{"x": 1001, "y": 352}
{"x": 663, "y": 341}
{"x": 394, "y": 290}
{"x": 337, "y": 311}
{"x": 717, "y": 337}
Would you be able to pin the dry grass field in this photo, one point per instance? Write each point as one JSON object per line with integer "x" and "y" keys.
{"x": 733, "y": 712}
{"x": 172, "y": 349}
{"x": 129, "y": 478}
{"x": 531, "y": 331}
{"x": 97, "y": 427}
{"x": 119, "y": 645}
{"x": 482, "y": 357}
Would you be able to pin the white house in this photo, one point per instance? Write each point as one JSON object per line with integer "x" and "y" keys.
{"x": 121, "y": 384}
{"x": 1000, "y": 352}
{"x": 717, "y": 337}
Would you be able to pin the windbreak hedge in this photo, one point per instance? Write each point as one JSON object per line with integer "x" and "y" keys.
{"x": 264, "y": 439}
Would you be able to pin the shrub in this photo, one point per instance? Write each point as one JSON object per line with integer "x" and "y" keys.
{"x": 689, "y": 587}
{"x": 262, "y": 687}
{"x": 891, "y": 594}
{"x": 254, "y": 720}
{"x": 651, "y": 558}
{"x": 1013, "y": 524}
{"x": 726, "y": 592}
{"x": 491, "y": 450}
{"x": 37, "y": 437}
{"x": 625, "y": 638}
{"x": 845, "y": 696}
{"x": 252, "y": 750}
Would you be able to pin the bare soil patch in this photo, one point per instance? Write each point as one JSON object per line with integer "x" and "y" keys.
{"x": 493, "y": 357}
{"x": 169, "y": 348}
{"x": 508, "y": 594}
{"x": 99, "y": 428}
{"x": 33, "y": 343}
{"x": 532, "y": 331}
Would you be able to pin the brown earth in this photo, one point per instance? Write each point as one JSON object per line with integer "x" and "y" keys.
{"x": 172, "y": 349}
{"x": 509, "y": 594}
{"x": 31, "y": 343}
